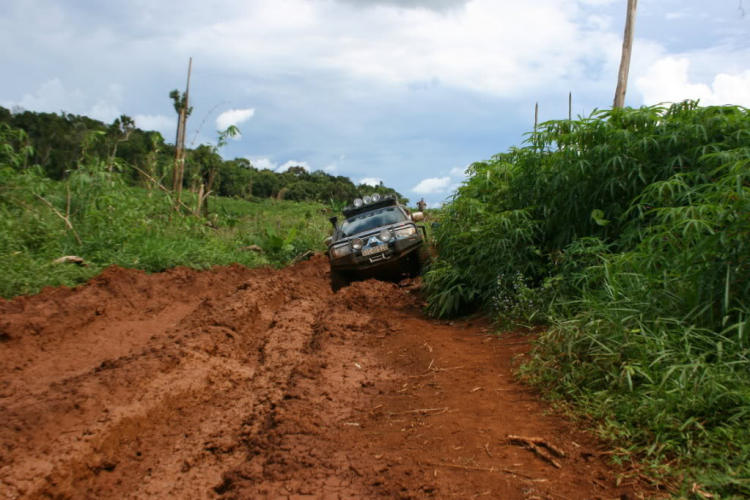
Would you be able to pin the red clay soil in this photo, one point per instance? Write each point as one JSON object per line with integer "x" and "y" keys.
{"x": 242, "y": 384}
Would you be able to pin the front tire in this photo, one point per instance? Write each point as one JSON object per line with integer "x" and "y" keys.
{"x": 339, "y": 280}
{"x": 414, "y": 267}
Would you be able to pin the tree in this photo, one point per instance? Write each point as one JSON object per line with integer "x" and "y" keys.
{"x": 211, "y": 166}
{"x": 266, "y": 184}
{"x": 119, "y": 131}
{"x": 235, "y": 178}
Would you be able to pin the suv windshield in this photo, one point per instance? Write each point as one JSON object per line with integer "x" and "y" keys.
{"x": 371, "y": 220}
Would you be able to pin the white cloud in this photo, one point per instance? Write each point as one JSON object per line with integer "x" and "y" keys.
{"x": 330, "y": 168}
{"x": 597, "y": 3}
{"x": 432, "y": 185}
{"x": 263, "y": 163}
{"x": 233, "y": 117}
{"x": 293, "y": 163}
{"x": 371, "y": 181}
{"x": 459, "y": 171}
{"x": 670, "y": 16}
{"x": 165, "y": 125}
{"x": 436, "y": 5}
{"x": 687, "y": 13}
{"x": 599, "y": 22}
{"x": 53, "y": 97}
{"x": 667, "y": 80}
{"x": 437, "y": 204}
{"x": 104, "y": 112}
{"x": 473, "y": 48}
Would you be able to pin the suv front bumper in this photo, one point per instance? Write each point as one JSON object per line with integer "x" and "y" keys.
{"x": 397, "y": 250}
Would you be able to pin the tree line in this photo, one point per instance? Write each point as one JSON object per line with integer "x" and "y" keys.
{"x": 60, "y": 141}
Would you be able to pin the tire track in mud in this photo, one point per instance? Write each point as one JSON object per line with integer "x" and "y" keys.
{"x": 167, "y": 407}
{"x": 239, "y": 384}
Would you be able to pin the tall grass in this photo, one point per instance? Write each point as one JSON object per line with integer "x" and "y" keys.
{"x": 93, "y": 214}
{"x": 629, "y": 234}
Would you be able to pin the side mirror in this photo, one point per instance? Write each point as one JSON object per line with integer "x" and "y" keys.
{"x": 328, "y": 241}
{"x": 417, "y": 216}
{"x": 334, "y": 220}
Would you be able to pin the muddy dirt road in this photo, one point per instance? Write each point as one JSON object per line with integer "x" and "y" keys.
{"x": 243, "y": 384}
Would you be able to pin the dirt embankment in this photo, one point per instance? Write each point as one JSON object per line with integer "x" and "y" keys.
{"x": 243, "y": 384}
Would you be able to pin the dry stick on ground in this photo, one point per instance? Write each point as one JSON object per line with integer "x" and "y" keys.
{"x": 433, "y": 371}
{"x": 531, "y": 445}
{"x": 554, "y": 449}
{"x": 421, "y": 410}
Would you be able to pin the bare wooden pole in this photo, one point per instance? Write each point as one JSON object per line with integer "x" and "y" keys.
{"x": 570, "y": 106}
{"x": 180, "y": 149}
{"x": 176, "y": 170}
{"x": 627, "y": 48}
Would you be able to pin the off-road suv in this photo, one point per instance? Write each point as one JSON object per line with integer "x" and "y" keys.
{"x": 377, "y": 239}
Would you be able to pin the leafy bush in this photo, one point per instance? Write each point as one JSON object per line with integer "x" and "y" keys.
{"x": 95, "y": 215}
{"x": 629, "y": 233}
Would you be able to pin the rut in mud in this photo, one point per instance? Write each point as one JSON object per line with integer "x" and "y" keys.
{"x": 240, "y": 384}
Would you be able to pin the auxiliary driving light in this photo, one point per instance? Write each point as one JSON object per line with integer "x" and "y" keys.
{"x": 340, "y": 251}
{"x": 385, "y": 235}
{"x": 406, "y": 231}
{"x": 375, "y": 197}
{"x": 357, "y": 243}
{"x": 358, "y": 203}
{"x": 367, "y": 200}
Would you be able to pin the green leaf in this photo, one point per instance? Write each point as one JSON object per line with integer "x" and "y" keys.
{"x": 598, "y": 217}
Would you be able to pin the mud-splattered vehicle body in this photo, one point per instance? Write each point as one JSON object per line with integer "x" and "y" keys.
{"x": 377, "y": 239}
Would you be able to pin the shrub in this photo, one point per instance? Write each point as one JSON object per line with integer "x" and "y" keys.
{"x": 629, "y": 233}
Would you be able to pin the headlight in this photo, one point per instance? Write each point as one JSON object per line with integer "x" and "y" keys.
{"x": 357, "y": 203}
{"x": 406, "y": 231}
{"x": 357, "y": 243}
{"x": 385, "y": 235}
{"x": 375, "y": 197}
{"x": 367, "y": 200}
{"x": 340, "y": 251}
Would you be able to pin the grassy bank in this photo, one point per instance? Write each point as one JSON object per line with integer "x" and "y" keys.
{"x": 627, "y": 233}
{"x": 95, "y": 215}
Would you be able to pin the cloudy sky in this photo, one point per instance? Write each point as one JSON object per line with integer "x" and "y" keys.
{"x": 404, "y": 91}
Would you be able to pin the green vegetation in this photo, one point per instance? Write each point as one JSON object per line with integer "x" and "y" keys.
{"x": 71, "y": 185}
{"x": 94, "y": 214}
{"x": 628, "y": 233}
{"x": 58, "y": 142}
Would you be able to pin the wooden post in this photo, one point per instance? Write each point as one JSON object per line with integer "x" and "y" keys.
{"x": 627, "y": 47}
{"x": 176, "y": 170}
{"x": 570, "y": 106}
{"x": 180, "y": 141}
{"x": 536, "y": 123}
